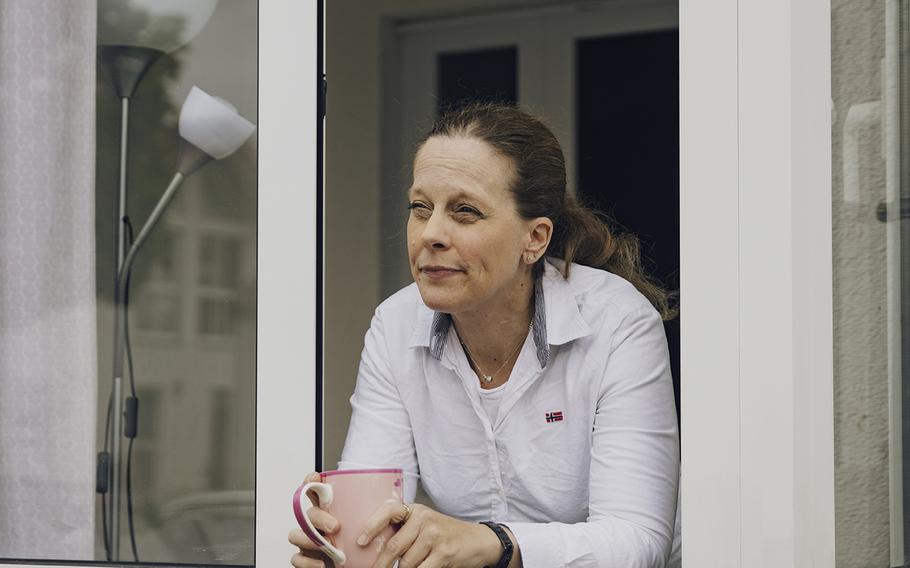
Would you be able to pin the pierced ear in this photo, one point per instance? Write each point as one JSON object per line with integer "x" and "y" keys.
{"x": 541, "y": 234}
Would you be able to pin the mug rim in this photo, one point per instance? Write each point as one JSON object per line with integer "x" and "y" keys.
{"x": 355, "y": 471}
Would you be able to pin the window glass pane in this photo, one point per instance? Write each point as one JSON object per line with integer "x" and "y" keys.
{"x": 483, "y": 74}
{"x": 151, "y": 373}
{"x": 154, "y": 292}
{"x": 627, "y": 128}
{"x": 870, "y": 237}
{"x": 217, "y": 316}
{"x": 219, "y": 260}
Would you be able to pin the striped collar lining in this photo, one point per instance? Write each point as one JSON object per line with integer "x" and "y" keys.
{"x": 443, "y": 321}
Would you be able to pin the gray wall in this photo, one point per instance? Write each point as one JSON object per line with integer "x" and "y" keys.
{"x": 860, "y": 288}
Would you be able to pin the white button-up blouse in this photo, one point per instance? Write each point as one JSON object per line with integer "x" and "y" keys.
{"x": 582, "y": 462}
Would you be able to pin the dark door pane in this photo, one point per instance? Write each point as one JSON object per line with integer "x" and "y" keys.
{"x": 487, "y": 74}
{"x": 628, "y": 145}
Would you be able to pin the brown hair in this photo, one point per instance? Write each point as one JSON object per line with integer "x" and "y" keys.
{"x": 580, "y": 234}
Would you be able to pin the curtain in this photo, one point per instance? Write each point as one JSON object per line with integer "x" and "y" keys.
{"x": 48, "y": 360}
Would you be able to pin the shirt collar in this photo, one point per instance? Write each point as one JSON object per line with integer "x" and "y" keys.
{"x": 557, "y": 319}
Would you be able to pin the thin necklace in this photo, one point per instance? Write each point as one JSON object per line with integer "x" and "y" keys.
{"x": 489, "y": 378}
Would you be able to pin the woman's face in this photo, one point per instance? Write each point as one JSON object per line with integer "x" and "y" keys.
{"x": 465, "y": 237}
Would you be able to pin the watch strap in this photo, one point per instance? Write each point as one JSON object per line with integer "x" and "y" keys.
{"x": 504, "y": 540}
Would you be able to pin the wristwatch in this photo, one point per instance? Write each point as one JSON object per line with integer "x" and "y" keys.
{"x": 504, "y": 540}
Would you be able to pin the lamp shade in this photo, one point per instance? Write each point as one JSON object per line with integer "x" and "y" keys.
{"x": 165, "y": 25}
{"x": 213, "y": 125}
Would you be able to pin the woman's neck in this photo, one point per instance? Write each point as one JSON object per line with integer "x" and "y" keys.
{"x": 492, "y": 332}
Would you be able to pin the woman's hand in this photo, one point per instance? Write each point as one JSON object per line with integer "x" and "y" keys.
{"x": 310, "y": 556}
{"x": 428, "y": 539}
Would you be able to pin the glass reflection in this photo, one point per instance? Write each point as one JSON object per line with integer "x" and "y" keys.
{"x": 188, "y": 476}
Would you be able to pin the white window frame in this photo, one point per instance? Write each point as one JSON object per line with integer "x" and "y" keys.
{"x": 286, "y": 319}
{"x": 756, "y": 286}
{"x": 286, "y": 426}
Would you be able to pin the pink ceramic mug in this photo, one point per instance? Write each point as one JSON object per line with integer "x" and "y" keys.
{"x": 351, "y": 496}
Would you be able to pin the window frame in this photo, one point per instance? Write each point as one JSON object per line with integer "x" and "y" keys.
{"x": 756, "y": 286}
{"x": 289, "y": 327}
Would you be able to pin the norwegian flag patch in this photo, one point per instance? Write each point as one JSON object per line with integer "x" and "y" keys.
{"x": 554, "y": 416}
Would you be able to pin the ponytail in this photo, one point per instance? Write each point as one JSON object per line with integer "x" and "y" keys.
{"x": 584, "y": 236}
{"x": 580, "y": 234}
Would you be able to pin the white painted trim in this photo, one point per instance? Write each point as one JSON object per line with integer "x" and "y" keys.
{"x": 709, "y": 283}
{"x": 813, "y": 280}
{"x": 766, "y": 278}
{"x": 757, "y": 337}
{"x": 509, "y": 15}
{"x": 286, "y": 425}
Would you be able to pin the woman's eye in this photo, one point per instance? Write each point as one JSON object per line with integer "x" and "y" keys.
{"x": 467, "y": 214}
{"x": 419, "y": 209}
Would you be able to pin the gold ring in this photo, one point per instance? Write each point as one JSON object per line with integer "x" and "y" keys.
{"x": 407, "y": 512}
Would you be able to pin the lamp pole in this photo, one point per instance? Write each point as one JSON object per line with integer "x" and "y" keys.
{"x": 128, "y": 54}
{"x": 127, "y": 66}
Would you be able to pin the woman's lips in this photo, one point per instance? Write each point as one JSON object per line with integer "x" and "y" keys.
{"x": 440, "y": 273}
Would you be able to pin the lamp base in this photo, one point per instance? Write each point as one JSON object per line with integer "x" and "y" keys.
{"x": 127, "y": 64}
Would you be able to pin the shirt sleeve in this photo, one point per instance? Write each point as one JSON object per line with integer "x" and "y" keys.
{"x": 634, "y": 473}
{"x": 380, "y": 433}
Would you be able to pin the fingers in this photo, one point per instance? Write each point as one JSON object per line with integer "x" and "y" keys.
{"x": 391, "y": 511}
{"x": 321, "y": 520}
{"x": 310, "y": 556}
{"x": 313, "y": 476}
{"x": 400, "y": 544}
{"x": 310, "y": 560}
{"x": 298, "y": 538}
{"x": 416, "y": 555}
{"x": 433, "y": 561}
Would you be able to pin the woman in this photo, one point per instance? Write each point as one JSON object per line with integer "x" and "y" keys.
{"x": 523, "y": 377}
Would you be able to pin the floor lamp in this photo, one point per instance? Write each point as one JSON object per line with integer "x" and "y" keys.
{"x": 132, "y": 36}
{"x": 210, "y": 129}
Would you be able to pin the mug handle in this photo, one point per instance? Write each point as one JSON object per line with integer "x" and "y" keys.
{"x": 324, "y": 493}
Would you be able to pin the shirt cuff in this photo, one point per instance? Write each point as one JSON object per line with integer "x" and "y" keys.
{"x": 537, "y": 546}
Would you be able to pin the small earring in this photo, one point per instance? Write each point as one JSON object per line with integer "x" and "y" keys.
{"x": 529, "y": 258}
